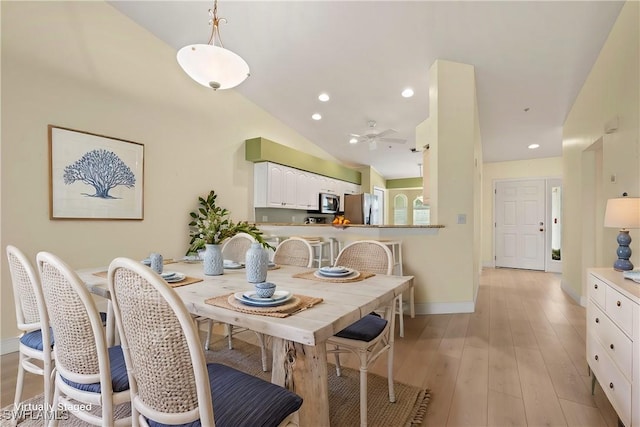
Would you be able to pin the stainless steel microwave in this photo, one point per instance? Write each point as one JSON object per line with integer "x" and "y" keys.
{"x": 329, "y": 203}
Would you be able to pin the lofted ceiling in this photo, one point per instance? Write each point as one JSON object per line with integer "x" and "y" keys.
{"x": 528, "y": 55}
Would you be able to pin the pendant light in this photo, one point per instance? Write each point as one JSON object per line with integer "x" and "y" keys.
{"x": 212, "y": 65}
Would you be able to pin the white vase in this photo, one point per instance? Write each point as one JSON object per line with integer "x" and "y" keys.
{"x": 212, "y": 261}
{"x": 256, "y": 263}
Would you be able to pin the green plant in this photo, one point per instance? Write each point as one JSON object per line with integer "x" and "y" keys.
{"x": 211, "y": 224}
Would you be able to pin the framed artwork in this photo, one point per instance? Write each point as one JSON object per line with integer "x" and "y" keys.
{"x": 94, "y": 177}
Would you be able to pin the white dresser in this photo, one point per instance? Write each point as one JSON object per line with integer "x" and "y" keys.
{"x": 613, "y": 339}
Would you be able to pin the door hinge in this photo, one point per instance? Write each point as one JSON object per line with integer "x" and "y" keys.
{"x": 495, "y": 224}
{"x": 495, "y": 191}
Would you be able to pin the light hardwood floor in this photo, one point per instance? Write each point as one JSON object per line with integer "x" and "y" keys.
{"x": 518, "y": 360}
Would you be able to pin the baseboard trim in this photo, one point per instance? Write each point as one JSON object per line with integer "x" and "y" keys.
{"x": 445, "y": 307}
{"x": 572, "y": 293}
{"x": 9, "y": 345}
{"x": 488, "y": 264}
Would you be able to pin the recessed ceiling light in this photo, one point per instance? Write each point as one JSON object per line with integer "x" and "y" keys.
{"x": 353, "y": 141}
{"x": 534, "y": 146}
{"x": 316, "y": 116}
{"x": 324, "y": 97}
{"x": 407, "y": 93}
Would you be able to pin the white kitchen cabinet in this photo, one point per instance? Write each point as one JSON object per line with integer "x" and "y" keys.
{"x": 278, "y": 186}
{"x": 613, "y": 340}
{"x": 306, "y": 191}
{"x": 274, "y": 186}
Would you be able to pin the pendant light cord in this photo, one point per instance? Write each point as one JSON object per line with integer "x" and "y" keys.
{"x": 214, "y": 21}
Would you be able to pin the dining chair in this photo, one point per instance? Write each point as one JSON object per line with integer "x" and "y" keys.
{"x": 371, "y": 336}
{"x": 176, "y": 385}
{"x": 33, "y": 321}
{"x": 236, "y": 247}
{"x": 233, "y": 249}
{"x": 294, "y": 251}
{"x": 88, "y": 372}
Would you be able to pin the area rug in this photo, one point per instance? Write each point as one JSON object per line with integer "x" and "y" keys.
{"x": 344, "y": 393}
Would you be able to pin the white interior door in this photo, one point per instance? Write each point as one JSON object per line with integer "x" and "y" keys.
{"x": 520, "y": 224}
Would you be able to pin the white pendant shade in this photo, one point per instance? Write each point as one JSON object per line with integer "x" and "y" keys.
{"x": 213, "y": 66}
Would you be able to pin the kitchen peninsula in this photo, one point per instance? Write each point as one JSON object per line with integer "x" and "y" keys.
{"x": 432, "y": 292}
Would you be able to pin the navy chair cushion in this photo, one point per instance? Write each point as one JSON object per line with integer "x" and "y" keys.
{"x": 365, "y": 329}
{"x": 33, "y": 339}
{"x": 119, "y": 378}
{"x": 242, "y": 400}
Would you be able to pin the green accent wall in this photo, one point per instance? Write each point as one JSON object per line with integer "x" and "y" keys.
{"x": 263, "y": 150}
{"x": 404, "y": 183}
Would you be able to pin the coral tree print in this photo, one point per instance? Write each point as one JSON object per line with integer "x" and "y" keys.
{"x": 94, "y": 176}
{"x": 101, "y": 169}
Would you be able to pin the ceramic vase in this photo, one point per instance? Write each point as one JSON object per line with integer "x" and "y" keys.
{"x": 256, "y": 263}
{"x": 212, "y": 261}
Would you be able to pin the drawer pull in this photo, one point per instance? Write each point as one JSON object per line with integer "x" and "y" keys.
{"x": 595, "y": 286}
{"x": 597, "y": 320}
{"x": 596, "y": 357}
{"x": 611, "y": 386}
{"x": 611, "y": 346}
{"x": 618, "y": 303}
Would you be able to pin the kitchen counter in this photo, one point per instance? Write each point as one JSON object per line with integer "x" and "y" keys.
{"x": 341, "y": 226}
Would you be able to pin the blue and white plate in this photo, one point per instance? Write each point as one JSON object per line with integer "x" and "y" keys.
{"x": 191, "y": 259}
{"x": 232, "y": 265}
{"x": 335, "y": 271}
{"x": 277, "y": 296}
{"x": 256, "y": 303}
{"x": 350, "y": 275}
{"x": 177, "y": 277}
{"x": 168, "y": 274}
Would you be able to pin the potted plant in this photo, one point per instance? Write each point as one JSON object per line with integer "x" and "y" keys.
{"x": 210, "y": 225}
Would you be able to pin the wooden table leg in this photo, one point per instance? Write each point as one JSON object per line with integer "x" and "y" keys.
{"x": 303, "y": 370}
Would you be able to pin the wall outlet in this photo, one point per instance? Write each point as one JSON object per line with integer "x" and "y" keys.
{"x": 613, "y": 178}
{"x": 462, "y": 218}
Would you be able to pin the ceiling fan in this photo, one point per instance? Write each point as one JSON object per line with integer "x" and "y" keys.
{"x": 372, "y": 137}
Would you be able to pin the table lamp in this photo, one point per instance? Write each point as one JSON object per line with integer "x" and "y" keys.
{"x": 623, "y": 213}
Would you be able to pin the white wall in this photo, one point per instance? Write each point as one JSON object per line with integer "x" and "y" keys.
{"x": 85, "y": 66}
{"x": 492, "y": 172}
{"x": 590, "y": 157}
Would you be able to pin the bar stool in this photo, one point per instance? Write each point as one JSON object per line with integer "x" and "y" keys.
{"x": 320, "y": 253}
{"x": 396, "y": 250}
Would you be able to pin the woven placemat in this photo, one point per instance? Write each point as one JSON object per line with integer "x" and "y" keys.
{"x": 311, "y": 276}
{"x": 296, "y": 304}
{"x": 186, "y": 281}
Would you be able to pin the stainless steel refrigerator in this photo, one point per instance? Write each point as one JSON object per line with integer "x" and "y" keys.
{"x": 361, "y": 208}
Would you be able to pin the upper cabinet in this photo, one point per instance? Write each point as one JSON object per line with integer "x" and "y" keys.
{"x": 278, "y": 186}
{"x": 274, "y": 186}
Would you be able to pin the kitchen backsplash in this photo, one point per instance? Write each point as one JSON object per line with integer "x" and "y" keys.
{"x": 286, "y": 216}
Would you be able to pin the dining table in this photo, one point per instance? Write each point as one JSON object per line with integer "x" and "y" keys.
{"x": 299, "y": 352}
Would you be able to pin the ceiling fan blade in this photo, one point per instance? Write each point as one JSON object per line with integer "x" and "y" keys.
{"x": 394, "y": 140}
{"x": 386, "y": 132}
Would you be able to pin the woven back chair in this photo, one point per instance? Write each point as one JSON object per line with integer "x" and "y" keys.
{"x": 33, "y": 321}
{"x": 176, "y": 386}
{"x": 366, "y": 255}
{"x": 294, "y": 251}
{"x": 235, "y": 248}
{"x": 371, "y": 336}
{"x": 87, "y": 371}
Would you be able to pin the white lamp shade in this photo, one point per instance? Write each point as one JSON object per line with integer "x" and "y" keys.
{"x": 623, "y": 212}
{"x": 213, "y": 66}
